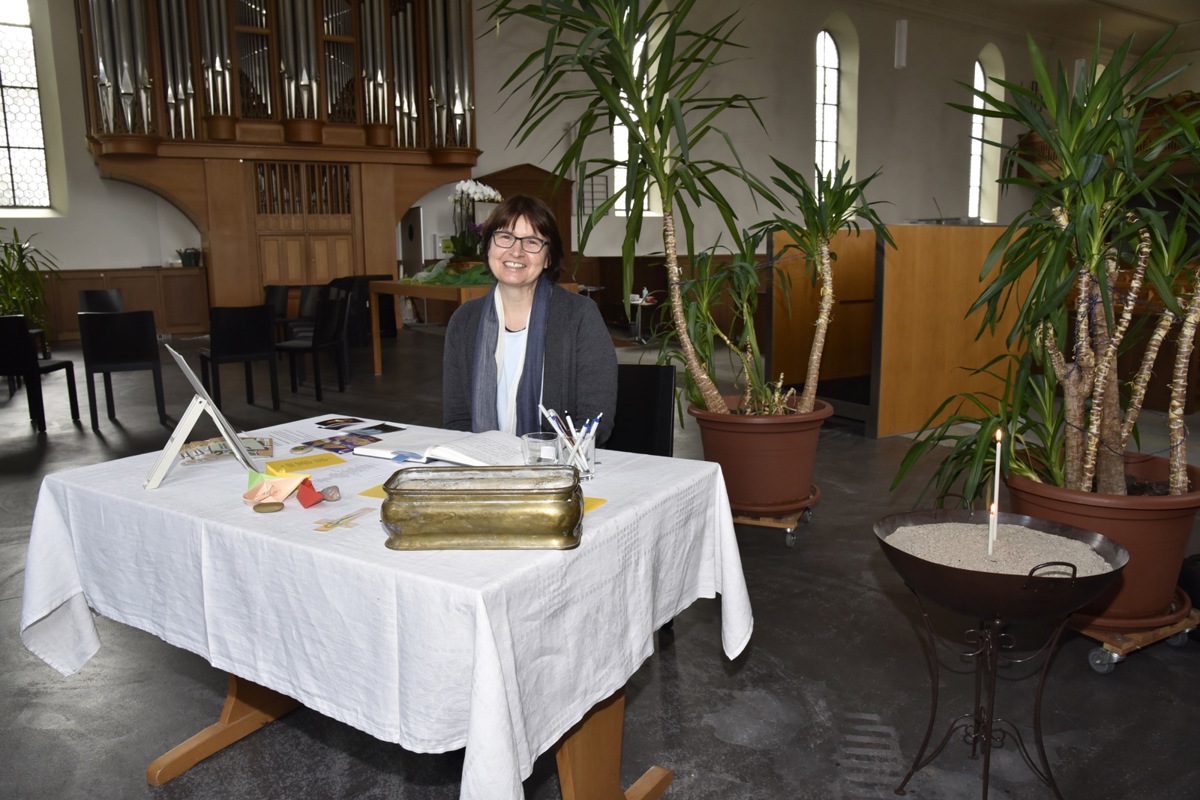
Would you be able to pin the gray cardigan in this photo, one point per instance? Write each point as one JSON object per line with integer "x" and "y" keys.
{"x": 579, "y": 375}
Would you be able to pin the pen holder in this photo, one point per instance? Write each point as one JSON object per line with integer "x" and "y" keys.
{"x": 582, "y": 457}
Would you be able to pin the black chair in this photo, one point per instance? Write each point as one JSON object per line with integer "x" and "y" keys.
{"x": 19, "y": 359}
{"x": 109, "y": 301}
{"x": 301, "y": 326}
{"x": 645, "y": 410}
{"x": 329, "y": 333}
{"x": 124, "y": 341}
{"x": 240, "y": 335}
{"x": 276, "y": 296}
{"x": 358, "y": 326}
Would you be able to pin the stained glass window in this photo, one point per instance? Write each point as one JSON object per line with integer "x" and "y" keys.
{"x": 23, "y": 180}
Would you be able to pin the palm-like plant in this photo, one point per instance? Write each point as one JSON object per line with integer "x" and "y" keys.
{"x": 638, "y": 64}
{"x": 23, "y": 270}
{"x": 1110, "y": 234}
{"x": 836, "y": 203}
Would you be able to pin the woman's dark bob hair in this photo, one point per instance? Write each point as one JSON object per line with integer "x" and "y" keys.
{"x": 539, "y": 216}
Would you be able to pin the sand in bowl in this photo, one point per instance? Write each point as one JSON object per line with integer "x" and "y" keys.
{"x": 1016, "y": 551}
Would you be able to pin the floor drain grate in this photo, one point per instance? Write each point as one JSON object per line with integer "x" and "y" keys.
{"x": 869, "y": 760}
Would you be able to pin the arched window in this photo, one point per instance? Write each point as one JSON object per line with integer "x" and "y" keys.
{"x": 828, "y": 86}
{"x": 23, "y": 176}
{"x": 620, "y": 136}
{"x": 983, "y": 197}
{"x": 975, "y": 187}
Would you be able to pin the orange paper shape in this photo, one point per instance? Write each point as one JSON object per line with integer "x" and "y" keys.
{"x": 307, "y": 494}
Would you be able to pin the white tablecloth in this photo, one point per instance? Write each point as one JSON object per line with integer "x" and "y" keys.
{"x": 498, "y": 651}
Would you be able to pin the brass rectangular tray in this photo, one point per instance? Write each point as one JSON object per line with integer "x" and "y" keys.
{"x": 483, "y": 508}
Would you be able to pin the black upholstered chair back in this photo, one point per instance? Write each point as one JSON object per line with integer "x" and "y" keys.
{"x": 18, "y": 357}
{"x": 19, "y": 362}
{"x": 124, "y": 341}
{"x": 106, "y": 300}
{"x": 240, "y": 335}
{"x": 645, "y": 420}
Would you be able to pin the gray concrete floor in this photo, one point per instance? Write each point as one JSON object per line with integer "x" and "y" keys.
{"x": 829, "y": 700}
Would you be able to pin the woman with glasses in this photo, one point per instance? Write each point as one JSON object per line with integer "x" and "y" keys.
{"x": 529, "y": 341}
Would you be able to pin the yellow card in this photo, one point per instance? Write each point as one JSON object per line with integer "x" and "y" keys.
{"x": 375, "y": 491}
{"x": 591, "y": 503}
{"x": 302, "y": 464}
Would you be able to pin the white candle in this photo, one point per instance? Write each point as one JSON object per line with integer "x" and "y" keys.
{"x": 991, "y": 528}
{"x": 994, "y": 511}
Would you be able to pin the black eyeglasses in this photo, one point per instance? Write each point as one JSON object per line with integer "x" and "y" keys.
{"x": 530, "y": 244}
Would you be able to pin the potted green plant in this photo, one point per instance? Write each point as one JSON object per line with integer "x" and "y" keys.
{"x": 642, "y": 65}
{"x": 23, "y": 271}
{"x": 1109, "y": 237}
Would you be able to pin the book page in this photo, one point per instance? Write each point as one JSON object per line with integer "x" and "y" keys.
{"x": 487, "y": 449}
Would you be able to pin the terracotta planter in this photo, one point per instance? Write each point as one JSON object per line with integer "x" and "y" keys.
{"x": 767, "y": 461}
{"x": 1155, "y": 531}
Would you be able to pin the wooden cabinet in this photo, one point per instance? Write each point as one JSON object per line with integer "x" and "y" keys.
{"x": 177, "y": 296}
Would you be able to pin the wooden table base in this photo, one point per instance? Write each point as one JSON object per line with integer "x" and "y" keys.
{"x": 248, "y": 707}
{"x": 589, "y": 756}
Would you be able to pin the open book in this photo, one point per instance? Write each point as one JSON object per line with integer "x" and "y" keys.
{"x": 487, "y": 449}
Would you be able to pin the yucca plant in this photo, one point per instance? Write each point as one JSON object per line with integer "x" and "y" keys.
{"x": 23, "y": 271}
{"x": 640, "y": 65}
{"x": 1111, "y": 234}
{"x": 725, "y": 280}
{"x": 834, "y": 204}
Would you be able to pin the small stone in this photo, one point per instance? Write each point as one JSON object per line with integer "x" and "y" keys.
{"x": 331, "y": 493}
{"x": 267, "y": 508}
{"x": 301, "y": 448}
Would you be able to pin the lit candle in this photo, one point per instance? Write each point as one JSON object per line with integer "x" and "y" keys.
{"x": 994, "y": 511}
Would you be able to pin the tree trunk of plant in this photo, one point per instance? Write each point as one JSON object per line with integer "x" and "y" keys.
{"x": 1185, "y": 343}
{"x": 713, "y": 401}
{"x": 808, "y": 398}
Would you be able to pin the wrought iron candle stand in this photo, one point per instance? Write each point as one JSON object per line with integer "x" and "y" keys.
{"x": 997, "y": 600}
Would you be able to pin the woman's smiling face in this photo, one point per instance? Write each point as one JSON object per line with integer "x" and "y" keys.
{"x": 512, "y": 265}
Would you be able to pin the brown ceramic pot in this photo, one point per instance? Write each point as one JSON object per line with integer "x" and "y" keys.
{"x": 1155, "y": 531}
{"x": 767, "y": 461}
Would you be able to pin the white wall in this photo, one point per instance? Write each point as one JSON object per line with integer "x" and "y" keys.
{"x": 905, "y": 127}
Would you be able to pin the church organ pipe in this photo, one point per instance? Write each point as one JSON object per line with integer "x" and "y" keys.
{"x": 101, "y": 54}
{"x": 158, "y": 66}
{"x": 437, "y": 72}
{"x": 375, "y": 77}
{"x": 406, "y": 107}
{"x": 214, "y": 34}
{"x": 121, "y": 66}
{"x": 179, "y": 91}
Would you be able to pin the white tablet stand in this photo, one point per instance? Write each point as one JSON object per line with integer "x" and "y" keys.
{"x": 201, "y": 404}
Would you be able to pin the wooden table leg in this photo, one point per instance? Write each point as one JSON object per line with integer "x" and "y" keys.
{"x": 589, "y": 758}
{"x": 376, "y": 351}
{"x": 248, "y": 707}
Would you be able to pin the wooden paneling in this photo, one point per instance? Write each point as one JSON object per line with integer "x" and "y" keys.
{"x": 925, "y": 339}
{"x": 230, "y": 248}
{"x": 847, "y": 351}
{"x": 178, "y": 297}
{"x": 331, "y": 257}
{"x": 283, "y": 259}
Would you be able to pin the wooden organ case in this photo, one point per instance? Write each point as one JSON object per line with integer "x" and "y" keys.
{"x": 293, "y": 133}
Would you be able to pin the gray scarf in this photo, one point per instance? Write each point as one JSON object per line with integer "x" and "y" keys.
{"x": 529, "y": 388}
